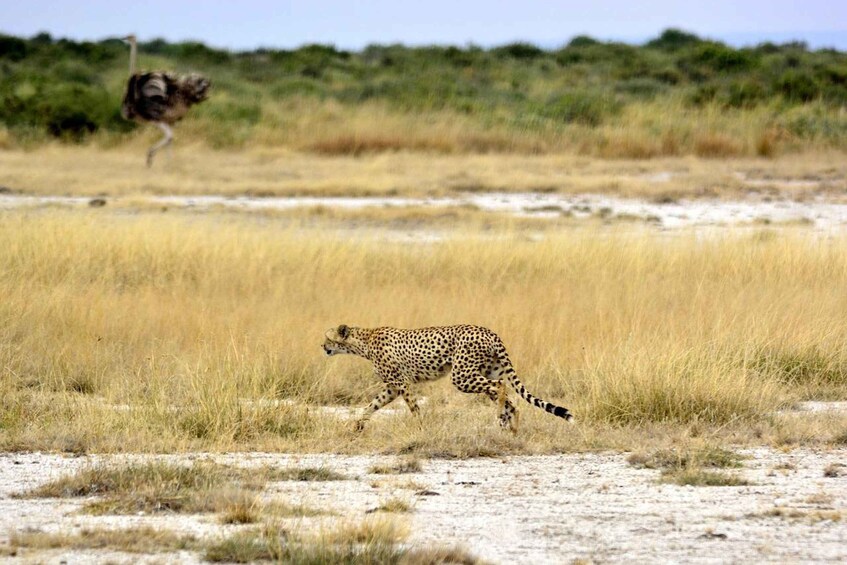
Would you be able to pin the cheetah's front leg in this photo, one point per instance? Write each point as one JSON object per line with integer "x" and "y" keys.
{"x": 380, "y": 400}
{"x": 410, "y": 397}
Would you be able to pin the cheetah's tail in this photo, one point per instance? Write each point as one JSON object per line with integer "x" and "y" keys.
{"x": 516, "y": 384}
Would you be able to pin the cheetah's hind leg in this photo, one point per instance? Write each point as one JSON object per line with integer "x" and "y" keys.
{"x": 508, "y": 412}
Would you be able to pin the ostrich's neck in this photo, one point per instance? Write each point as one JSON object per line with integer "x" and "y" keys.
{"x": 133, "y": 50}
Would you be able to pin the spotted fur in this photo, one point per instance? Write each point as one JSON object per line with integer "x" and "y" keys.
{"x": 474, "y": 356}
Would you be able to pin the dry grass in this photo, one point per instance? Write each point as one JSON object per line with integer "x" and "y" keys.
{"x": 811, "y": 516}
{"x": 396, "y": 505}
{"x": 692, "y": 466}
{"x": 143, "y": 539}
{"x": 243, "y": 507}
{"x": 308, "y": 474}
{"x": 405, "y": 465}
{"x": 163, "y": 487}
{"x": 235, "y": 494}
{"x": 168, "y": 332}
{"x": 703, "y": 478}
{"x": 675, "y": 459}
{"x": 264, "y": 171}
{"x": 374, "y": 540}
{"x": 665, "y": 127}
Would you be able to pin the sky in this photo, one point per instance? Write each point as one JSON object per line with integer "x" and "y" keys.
{"x": 352, "y": 24}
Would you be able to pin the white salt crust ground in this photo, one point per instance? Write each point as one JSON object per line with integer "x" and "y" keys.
{"x": 818, "y": 213}
{"x": 528, "y": 509}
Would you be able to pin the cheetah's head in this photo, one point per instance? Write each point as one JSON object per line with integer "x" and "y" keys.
{"x": 338, "y": 341}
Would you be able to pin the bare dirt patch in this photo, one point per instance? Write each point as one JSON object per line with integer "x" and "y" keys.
{"x": 526, "y": 509}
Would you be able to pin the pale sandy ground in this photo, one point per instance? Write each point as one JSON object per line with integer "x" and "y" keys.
{"x": 532, "y": 509}
{"x": 819, "y": 213}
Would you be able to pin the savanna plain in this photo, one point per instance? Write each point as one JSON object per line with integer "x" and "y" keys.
{"x": 164, "y": 396}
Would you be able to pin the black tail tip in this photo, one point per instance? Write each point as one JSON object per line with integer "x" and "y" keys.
{"x": 562, "y": 413}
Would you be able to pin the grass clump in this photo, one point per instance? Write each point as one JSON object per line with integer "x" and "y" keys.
{"x": 397, "y": 505}
{"x": 143, "y": 539}
{"x": 280, "y": 509}
{"x": 372, "y": 541}
{"x": 241, "y": 507}
{"x": 692, "y": 467}
{"x": 699, "y": 477}
{"x": 808, "y": 369}
{"x": 811, "y": 516}
{"x": 158, "y": 487}
{"x": 245, "y": 547}
{"x": 404, "y": 466}
{"x": 308, "y": 474}
{"x": 708, "y": 456}
{"x": 840, "y": 438}
{"x": 679, "y": 387}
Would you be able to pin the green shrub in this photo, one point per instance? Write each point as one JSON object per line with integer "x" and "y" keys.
{"x": 69, "y": 89}
{"x": 814, "y": 121}
{"x": 643, "y": 88}
{"x": 297, "y": 87}
{"x": 582, "y": 41}
{"x": 745, "y": 94}
{"x": 12, "y": 48}
{"x": 720, "y": 58}
{"x": 797, "y": 86}
{"x": 673, "y": 40}
{"x": 519, "y": 50}
{"x": 585, "y": 108}
{"x": 67, "y": 111}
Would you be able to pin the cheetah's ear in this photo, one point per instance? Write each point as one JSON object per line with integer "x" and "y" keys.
{"x": 343, "y": 331}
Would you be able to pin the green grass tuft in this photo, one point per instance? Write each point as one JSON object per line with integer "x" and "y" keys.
{"x": 692, "y": 467}
{"x": 158, "y": 487}
{"x": 307, "y": 474}
{"x": 405, "y": 465}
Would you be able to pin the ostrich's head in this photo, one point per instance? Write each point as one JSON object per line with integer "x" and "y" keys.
{"x": 129, "y": 38}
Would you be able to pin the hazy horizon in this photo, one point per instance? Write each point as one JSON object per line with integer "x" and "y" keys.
{"x": 251, "y": 24}
{"x": 817, "y": 40}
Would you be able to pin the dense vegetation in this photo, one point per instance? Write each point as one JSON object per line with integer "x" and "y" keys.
{"x": 69, "y": 89}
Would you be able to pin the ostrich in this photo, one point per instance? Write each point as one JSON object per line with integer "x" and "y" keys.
{"x": 160, "y": 97}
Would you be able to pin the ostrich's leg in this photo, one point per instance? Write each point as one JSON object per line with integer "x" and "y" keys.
{"x": 169, "y": 137}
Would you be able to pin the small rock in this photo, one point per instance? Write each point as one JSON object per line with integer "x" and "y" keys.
{"x": 97, "y": 202}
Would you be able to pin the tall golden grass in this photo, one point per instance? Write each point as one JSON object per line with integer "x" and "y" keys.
{"x": 265, "y": 171}
{"x": 154, "y": 331}
{"x": 664, "y": 127}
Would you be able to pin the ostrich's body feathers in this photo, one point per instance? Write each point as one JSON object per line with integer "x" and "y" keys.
{"x": 162, "y": 97}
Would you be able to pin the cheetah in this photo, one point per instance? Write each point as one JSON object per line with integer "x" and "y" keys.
{"x": 475, "y": 356}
